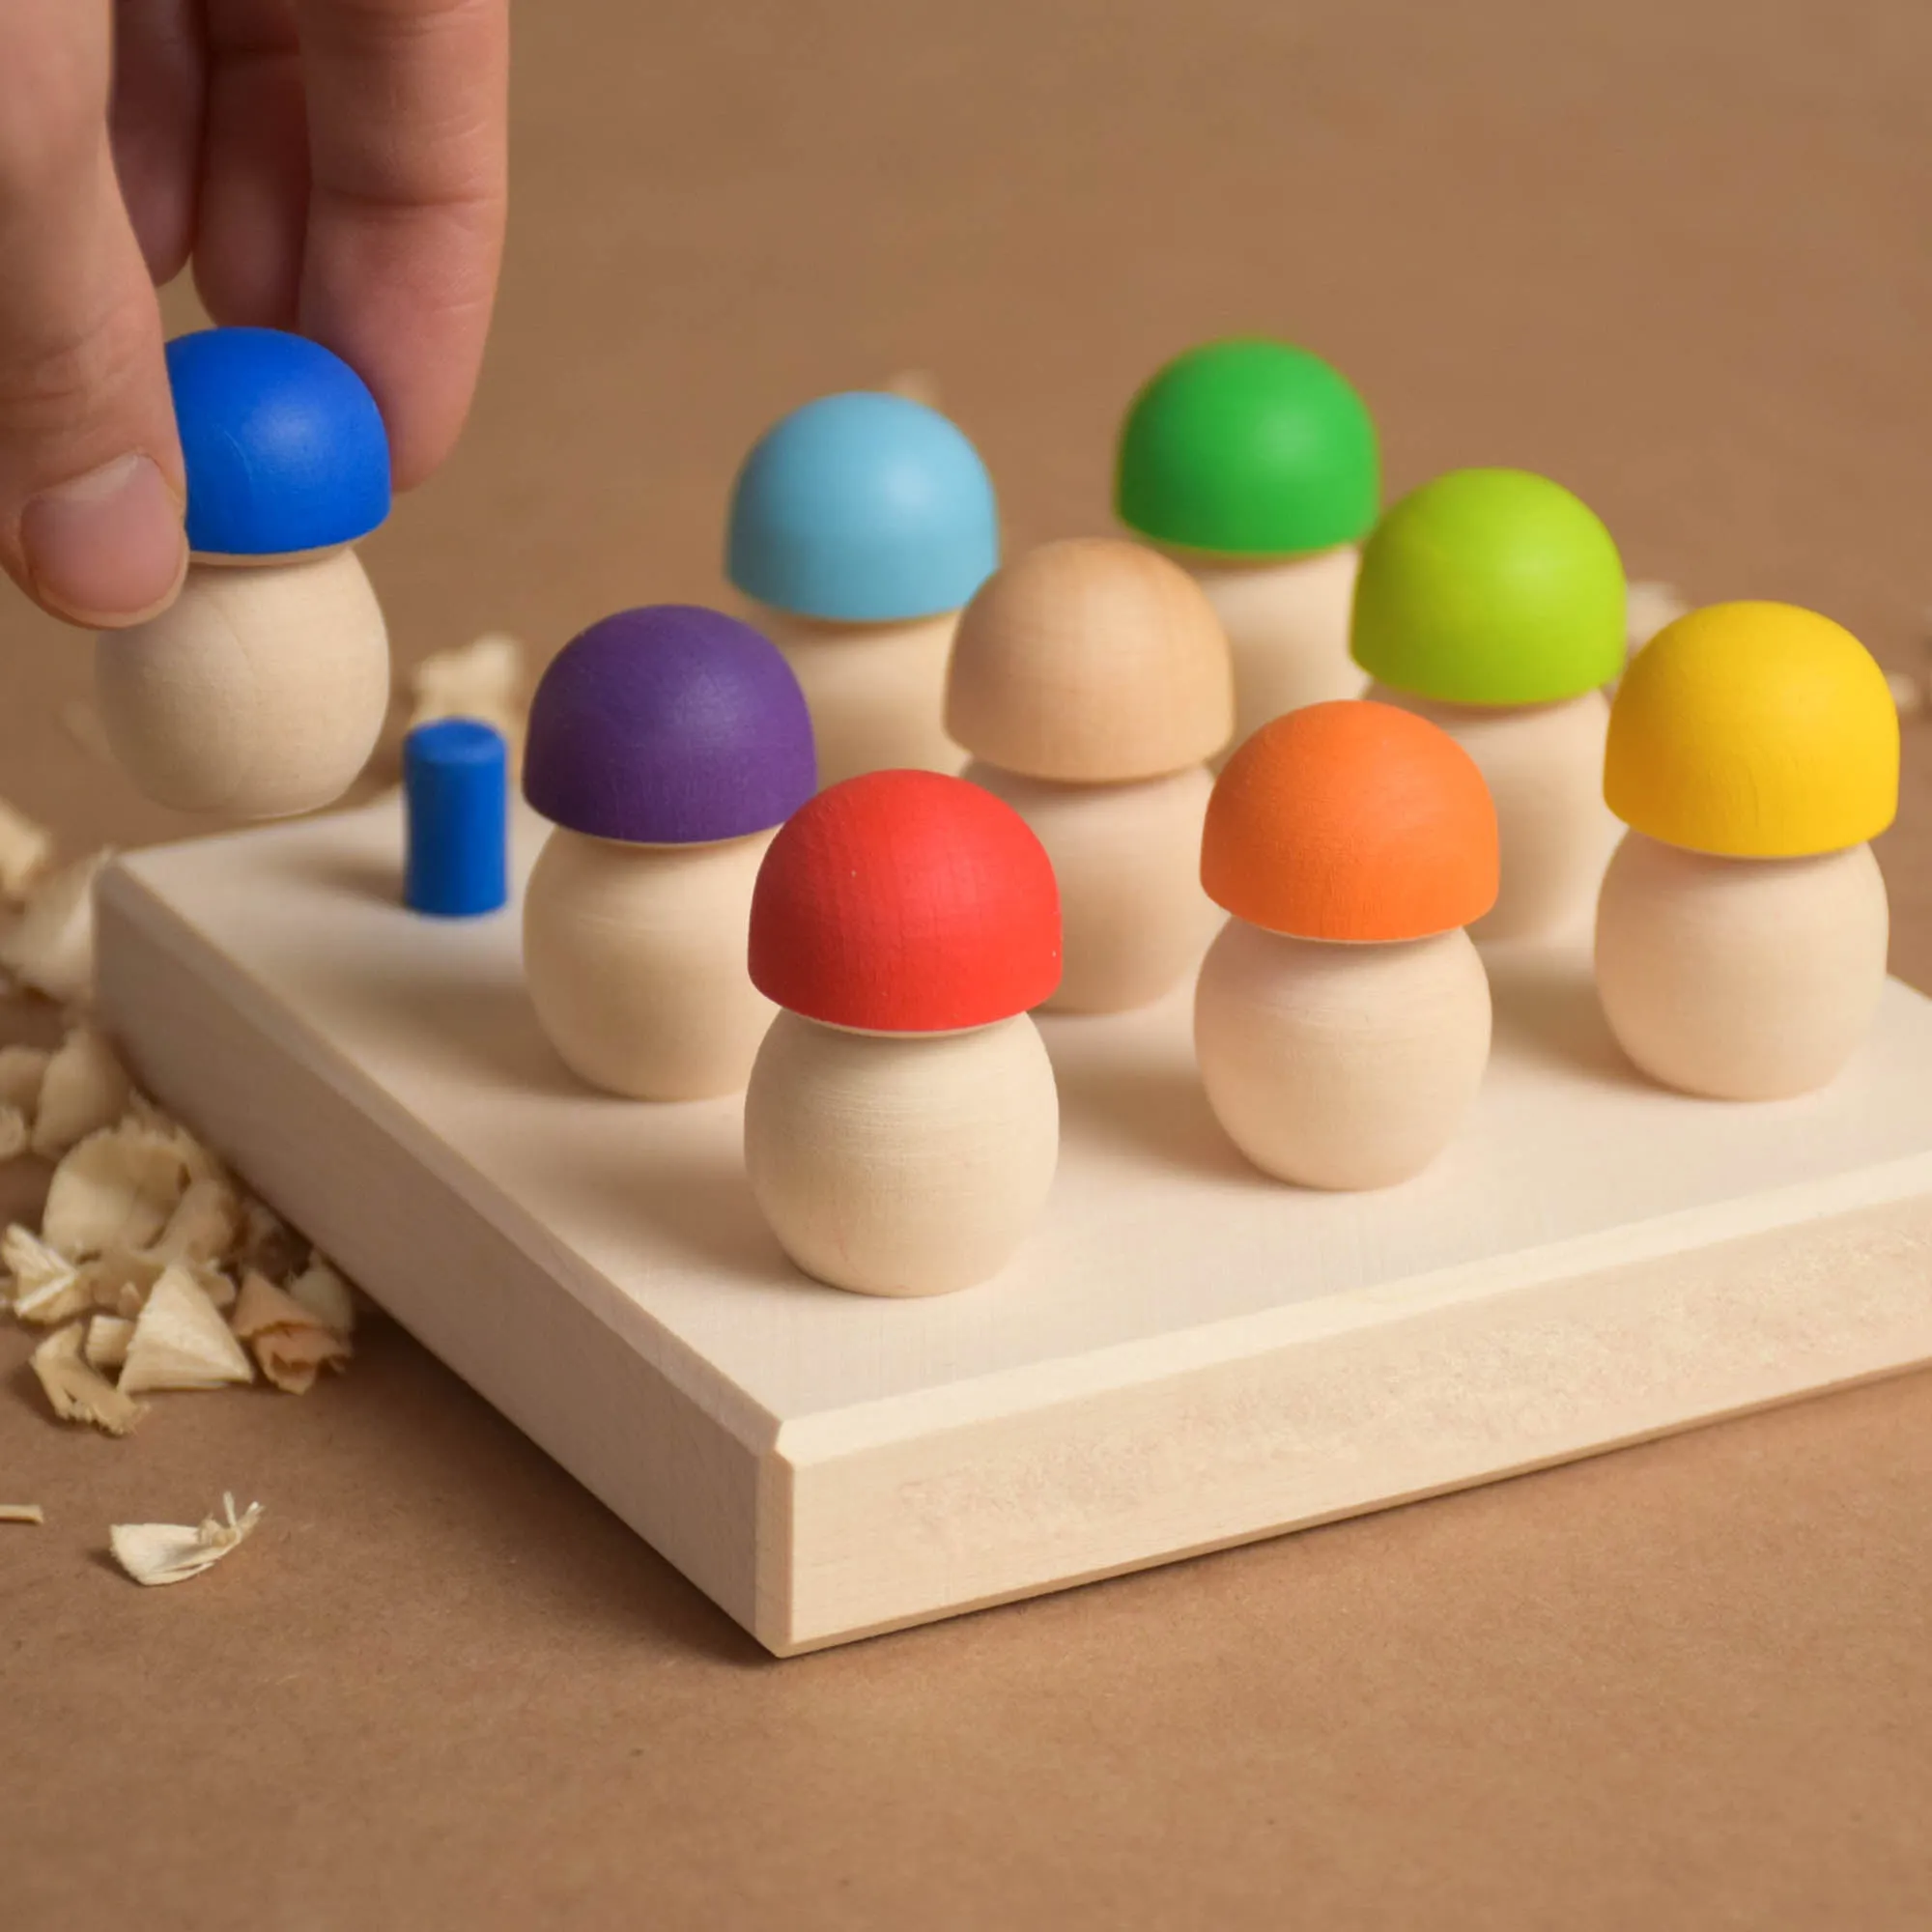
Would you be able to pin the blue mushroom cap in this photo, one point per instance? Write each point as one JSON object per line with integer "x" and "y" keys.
{"x": 863, "y": 508}
{"x": 284, "y": 444}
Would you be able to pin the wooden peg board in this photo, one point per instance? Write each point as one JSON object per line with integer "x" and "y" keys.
{"x": 1185, "y": 1356}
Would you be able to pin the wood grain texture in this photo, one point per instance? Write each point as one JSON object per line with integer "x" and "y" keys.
{"x": 877, "y": 692}
{"x": 1134, "y": 920}
{"x": 260, "y": 692}
{"x": 1287, "y": 622}
{"x": 902, "y": 1164}
{"x": 1091, "y": 660}
{"x": 1342, "y": 1066}
{"x": 1183, "y": 1354}
{"x": 1741, "y": 979}
{"x": 635, "y": 960}
{"x": 1544, "y": 765}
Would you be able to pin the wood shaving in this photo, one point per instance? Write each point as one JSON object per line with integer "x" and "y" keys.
{"x": 25, "y": 848}
{"x": 106, "y": 1345}
{"x": 1907, "y": 693}
{"x": 16, "y": 1136}
{"x": 205, "y": 1224}
{"x": 484, "y": 679}
{"x": 51, "y": 945}
{"x": 23, "y": 1069}
{"x": 44, "y": 1287}
{"x": 326, "y": 1295}
{"x": 171, "y": 1552}
{"x": 196, "y": 1159}
{"x": 22, "y": 1513}
{"x": 79, "y": 1393}
{"x": 119, "y": 1188}
{"x": 120, "y": 1281}
{"x": 181, "y": 1342}
{"x": 84, "y": 1089}
{"x": 1647, "y": 608}
{"x": 292, "y": 1345}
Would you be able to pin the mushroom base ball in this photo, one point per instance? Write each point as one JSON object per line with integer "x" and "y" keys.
{"x": 902, "y": 1164}
{"x": 1341, "y": 1065}
{"x": 1740, "y": 978}
{"x": 261, "y": 690}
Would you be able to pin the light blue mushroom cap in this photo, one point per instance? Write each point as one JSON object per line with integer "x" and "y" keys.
{"x": 283, "y": 443}
{"x": 863, "y": 508}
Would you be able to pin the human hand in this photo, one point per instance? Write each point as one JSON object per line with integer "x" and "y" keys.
{"x": 332, "y": 166}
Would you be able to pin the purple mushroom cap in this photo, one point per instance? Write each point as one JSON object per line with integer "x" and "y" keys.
{"x": 668, "y": 725}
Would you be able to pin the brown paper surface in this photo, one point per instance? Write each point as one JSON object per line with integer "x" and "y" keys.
{"x": 1671, "y": 252}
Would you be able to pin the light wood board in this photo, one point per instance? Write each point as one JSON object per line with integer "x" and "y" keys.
{"x": 1185, "y": 1356}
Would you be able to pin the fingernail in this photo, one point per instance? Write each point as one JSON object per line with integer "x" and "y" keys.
{"x": 109, "y": 547}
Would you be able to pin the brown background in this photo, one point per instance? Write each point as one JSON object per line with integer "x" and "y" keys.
{"x": 1675, "y": 255}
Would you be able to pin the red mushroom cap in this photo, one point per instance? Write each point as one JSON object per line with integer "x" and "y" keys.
{"x": 906, "y": 902}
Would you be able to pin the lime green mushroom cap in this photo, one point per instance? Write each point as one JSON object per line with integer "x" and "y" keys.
{"x": 1248, "y": 447}
{"x": 1491, "y": 586}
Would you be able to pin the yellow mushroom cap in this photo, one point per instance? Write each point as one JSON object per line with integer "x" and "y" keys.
{"x": 1753, "y": 731}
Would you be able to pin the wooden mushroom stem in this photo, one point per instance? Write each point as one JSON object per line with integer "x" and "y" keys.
{"x": 1341, "y": 1065}
{"x": 1740, "y": 978}
{"x": 876, "y": 691}
{"x": 261, "y": 690}
{"x": 902, "y": 1164}
{"x": 635, "y": 960}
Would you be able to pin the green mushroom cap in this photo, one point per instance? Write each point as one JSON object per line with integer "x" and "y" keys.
{"x": 1248, "y": 448}
{"x": 1491, "y": 586}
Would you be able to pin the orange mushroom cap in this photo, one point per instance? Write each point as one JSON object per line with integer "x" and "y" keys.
{"x": 1352, "y": 821}
{"x": 906, "y": 902}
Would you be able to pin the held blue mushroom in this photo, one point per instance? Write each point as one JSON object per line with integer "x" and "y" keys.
{"x": 262, "y": 690}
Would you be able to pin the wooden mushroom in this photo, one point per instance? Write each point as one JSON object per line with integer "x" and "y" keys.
{"x": 261, "y": 690}
{"x": 1342, "y": 1019}
{"x": 1089, "y": 680}
{"x": 665, "y": 744}
{"x": 1491, "y": 603}
{"x": 901, "y": 1126}
{"x": 1255, "y": 463}
{"x": 860, "y": 525}
{"x": 1741, "y": 935}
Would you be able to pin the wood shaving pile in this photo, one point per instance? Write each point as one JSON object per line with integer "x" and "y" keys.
{"x": 171, "y": 1552}
{"x": 153, "y": 1270}
{"x": 146, "y": 1242}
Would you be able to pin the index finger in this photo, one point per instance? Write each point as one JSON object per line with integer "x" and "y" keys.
{"x": 407, "y": 104}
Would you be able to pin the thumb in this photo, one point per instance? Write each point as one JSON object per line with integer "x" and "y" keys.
{"x": 91, "y": 486}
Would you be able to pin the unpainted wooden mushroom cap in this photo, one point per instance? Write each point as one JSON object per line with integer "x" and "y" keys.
{"x": 1091, "y": 661}
{"x": 1753, "y": 730}
{"x": 1352, "y": 821}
